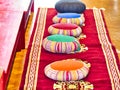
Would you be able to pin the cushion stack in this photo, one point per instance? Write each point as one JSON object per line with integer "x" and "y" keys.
{"x": 64, "y": 31}
{"x": 70, "y": 11}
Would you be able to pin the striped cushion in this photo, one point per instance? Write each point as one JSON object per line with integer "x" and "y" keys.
{"x": 75, "y": 18}
{"x": 65, "y": 29}
{"x": 67, "y": 70}
{"x": 61, "y": 44}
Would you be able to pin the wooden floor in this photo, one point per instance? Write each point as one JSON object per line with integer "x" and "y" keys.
{"x": 112, "y": 17}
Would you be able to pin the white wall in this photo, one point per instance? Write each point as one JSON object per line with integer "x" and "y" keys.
{"x": 45, "y": 3}
{"x": 42, "y": 3}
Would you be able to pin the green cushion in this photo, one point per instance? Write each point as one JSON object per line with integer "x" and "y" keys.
{"x": 61, "y": 44}
{"x": 61, "y": 38}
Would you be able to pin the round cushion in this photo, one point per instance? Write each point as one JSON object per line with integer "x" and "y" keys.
{"x": 67, "y": 70}
{"x": 61, "y": 44}
{"x": 72, "y": 18}
{"x": 65, "y": 29}
{"x": 75, "y": 6}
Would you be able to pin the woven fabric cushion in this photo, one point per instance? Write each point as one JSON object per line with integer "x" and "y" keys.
{"x": 72, "y": 18}
{"x": 61, "y": 44}
{"x": 67, "y": 70}
{"x": 75, "y": 6}
{"x": 65, "y": 29}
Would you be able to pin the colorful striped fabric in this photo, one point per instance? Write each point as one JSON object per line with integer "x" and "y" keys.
{"x": 65, "y": 29}
{"x": 78, "y": 21}
{"x": 61, "y": 44}
{"x": 67, "y": 75}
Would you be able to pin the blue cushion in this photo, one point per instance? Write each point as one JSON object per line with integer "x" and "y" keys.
{"x": 73, "y": 19}
{"x": 74, "y": 6}
{"x": 68, "y": 15}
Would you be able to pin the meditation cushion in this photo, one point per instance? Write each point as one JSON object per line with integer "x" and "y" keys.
{"x": 75, "y": 6}
{"x": 67, "y": 70}
{"x": 61, "y": 44}
{"x": 65, "y": 29}
{"x": 72, "y": 18}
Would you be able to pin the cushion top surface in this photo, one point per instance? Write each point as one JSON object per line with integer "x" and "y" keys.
{"x": 65, "y": 26}
{"x": 61, "y": 38}
{"x": 72, "y": 6}
{"x": 68, "y": 15}
{"x": 67, "y": 65}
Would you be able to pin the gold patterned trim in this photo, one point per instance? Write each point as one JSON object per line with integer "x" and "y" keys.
{"x": 107, "y": 50}
{"x": 73, "y": 85}
{"x": 33, "y": 64}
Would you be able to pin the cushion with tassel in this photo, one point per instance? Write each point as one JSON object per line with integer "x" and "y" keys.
{"x": 72, "y": 18}
{"x": 61, "y": 44}
{"x": 65, "y": 29}
{"x": 67, "y": 70}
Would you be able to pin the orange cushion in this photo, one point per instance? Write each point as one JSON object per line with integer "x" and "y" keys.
{"x": 68, "y": 65}
{"x": 67, "y": 70}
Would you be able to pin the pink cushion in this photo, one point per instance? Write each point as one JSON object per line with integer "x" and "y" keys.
{"x": 65, "y": 29}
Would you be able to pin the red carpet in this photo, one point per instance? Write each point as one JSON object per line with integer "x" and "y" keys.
{"x": 104, "y": 72}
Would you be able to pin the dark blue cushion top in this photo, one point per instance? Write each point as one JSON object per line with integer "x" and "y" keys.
{"x": 74, "y": 6}
{"x": 68, "y": 15}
